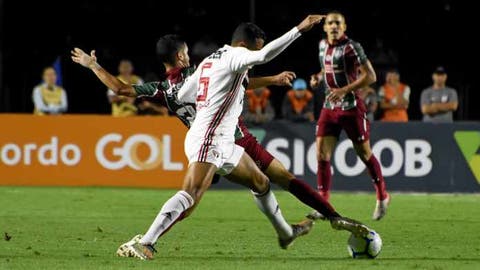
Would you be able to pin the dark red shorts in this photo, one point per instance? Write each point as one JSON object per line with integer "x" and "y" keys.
{"x": 254, "y": 149}
{"x": 353, "y": 121}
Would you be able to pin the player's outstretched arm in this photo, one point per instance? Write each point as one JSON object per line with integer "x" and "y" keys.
{"x": 90, "y": 61}
{"x": 282, "y": 79}
{"x": 248, "y": 58}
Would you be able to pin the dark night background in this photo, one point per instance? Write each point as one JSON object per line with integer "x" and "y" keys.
{"x": 34, "y": 33}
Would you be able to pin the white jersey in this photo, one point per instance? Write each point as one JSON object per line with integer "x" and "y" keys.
{"x": 218, "y": 87}
{"x": 220, "y": 93}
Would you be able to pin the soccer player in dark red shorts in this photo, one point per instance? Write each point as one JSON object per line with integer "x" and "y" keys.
{"x": 345, "y": 69}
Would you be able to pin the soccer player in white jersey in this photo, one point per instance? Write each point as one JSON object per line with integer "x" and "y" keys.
{"x": 173, "y": 53}
{"x": 210, "y": 143}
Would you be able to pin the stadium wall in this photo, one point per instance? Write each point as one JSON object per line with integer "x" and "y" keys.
{"x": 92, "y": 150}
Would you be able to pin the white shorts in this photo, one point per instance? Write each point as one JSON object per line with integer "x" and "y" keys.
{"x": 221, "y": 152}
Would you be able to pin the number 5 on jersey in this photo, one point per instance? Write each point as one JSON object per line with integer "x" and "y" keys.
{"x": 203, "y": 83}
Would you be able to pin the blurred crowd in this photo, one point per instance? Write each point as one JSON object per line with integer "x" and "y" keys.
{"x": 388, "y": 102}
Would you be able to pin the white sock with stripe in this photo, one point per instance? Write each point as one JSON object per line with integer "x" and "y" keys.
{"x": 168, "y": 215}
{"x": 268, "y": 204}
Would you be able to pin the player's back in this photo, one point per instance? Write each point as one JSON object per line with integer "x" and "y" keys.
{"x": 219, "y": 96}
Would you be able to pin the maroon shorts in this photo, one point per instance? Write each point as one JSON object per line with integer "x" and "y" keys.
{"x": 353, "y": 121}
{"x": 254, "y": 149}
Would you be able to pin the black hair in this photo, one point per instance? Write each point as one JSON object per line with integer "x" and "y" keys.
{"x": 249, "y": 33}
{"x": 167, "y": 48}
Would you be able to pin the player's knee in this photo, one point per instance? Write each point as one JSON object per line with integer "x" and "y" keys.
{"x": 363, "y": 153}
{"x": 260, "y": 183}
{"x": 324, "y": 155}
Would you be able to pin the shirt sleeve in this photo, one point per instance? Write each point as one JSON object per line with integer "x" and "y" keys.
{"x": 356, "y": 54}
{"x": 64, "y": 103}
{"x": 242, "y": 58}
{"x": 188, "y": 92}
{"x": 38, "y": 101}
{"x": 424, "y": 99}
{"x": 452, "y": 96}
{"x": 147, "y": 89}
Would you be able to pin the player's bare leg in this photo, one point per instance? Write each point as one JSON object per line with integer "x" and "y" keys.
{"x": 249, "y": 175}
{"x": 197, "y": 180}
{"x": 324, "y": 147}
{"x": 374, "y": 170}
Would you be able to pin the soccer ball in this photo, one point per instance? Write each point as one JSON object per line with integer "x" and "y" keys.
{"x": 365, "y": 247}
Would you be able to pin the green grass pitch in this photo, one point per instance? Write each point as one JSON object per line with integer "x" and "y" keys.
{"x": 81, "y": 228}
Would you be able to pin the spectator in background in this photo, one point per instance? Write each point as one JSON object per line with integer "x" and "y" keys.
{"x": 123, "y": 105}
{"x": 394, "y": 98}
{"x": 48, "y": 97}
{"x": 298, "y": 103}
{"x": 439, "y": 101}
{"x": 258, "y": 108}
{"x": 369, "y": 97}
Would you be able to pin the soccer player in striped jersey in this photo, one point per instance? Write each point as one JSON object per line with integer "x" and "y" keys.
{"x": 345, "y": 70}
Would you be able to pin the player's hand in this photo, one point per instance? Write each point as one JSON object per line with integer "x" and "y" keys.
{"x": 80, "y": 57}
{"x": 314, "y": 81}
{"x": 336, "y": 95}
{"x": 284, "y": 79}
{"x": 309, "y": 22}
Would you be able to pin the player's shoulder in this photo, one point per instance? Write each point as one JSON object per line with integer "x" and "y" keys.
{"x": 450, "y": 89}
{"x": 427, "y": 90}
{"x": 353, "y": 43}
{"x": 235, "y": 50}
{"x": 163, "y": 85}
{"x": 218, "y": 54}
{"x": 38, "y": 87}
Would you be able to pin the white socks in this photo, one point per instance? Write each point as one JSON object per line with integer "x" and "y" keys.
{"x": 168, "y": 215}
{"x": 269, "y": 206}
{"x": 181, "y": 201}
